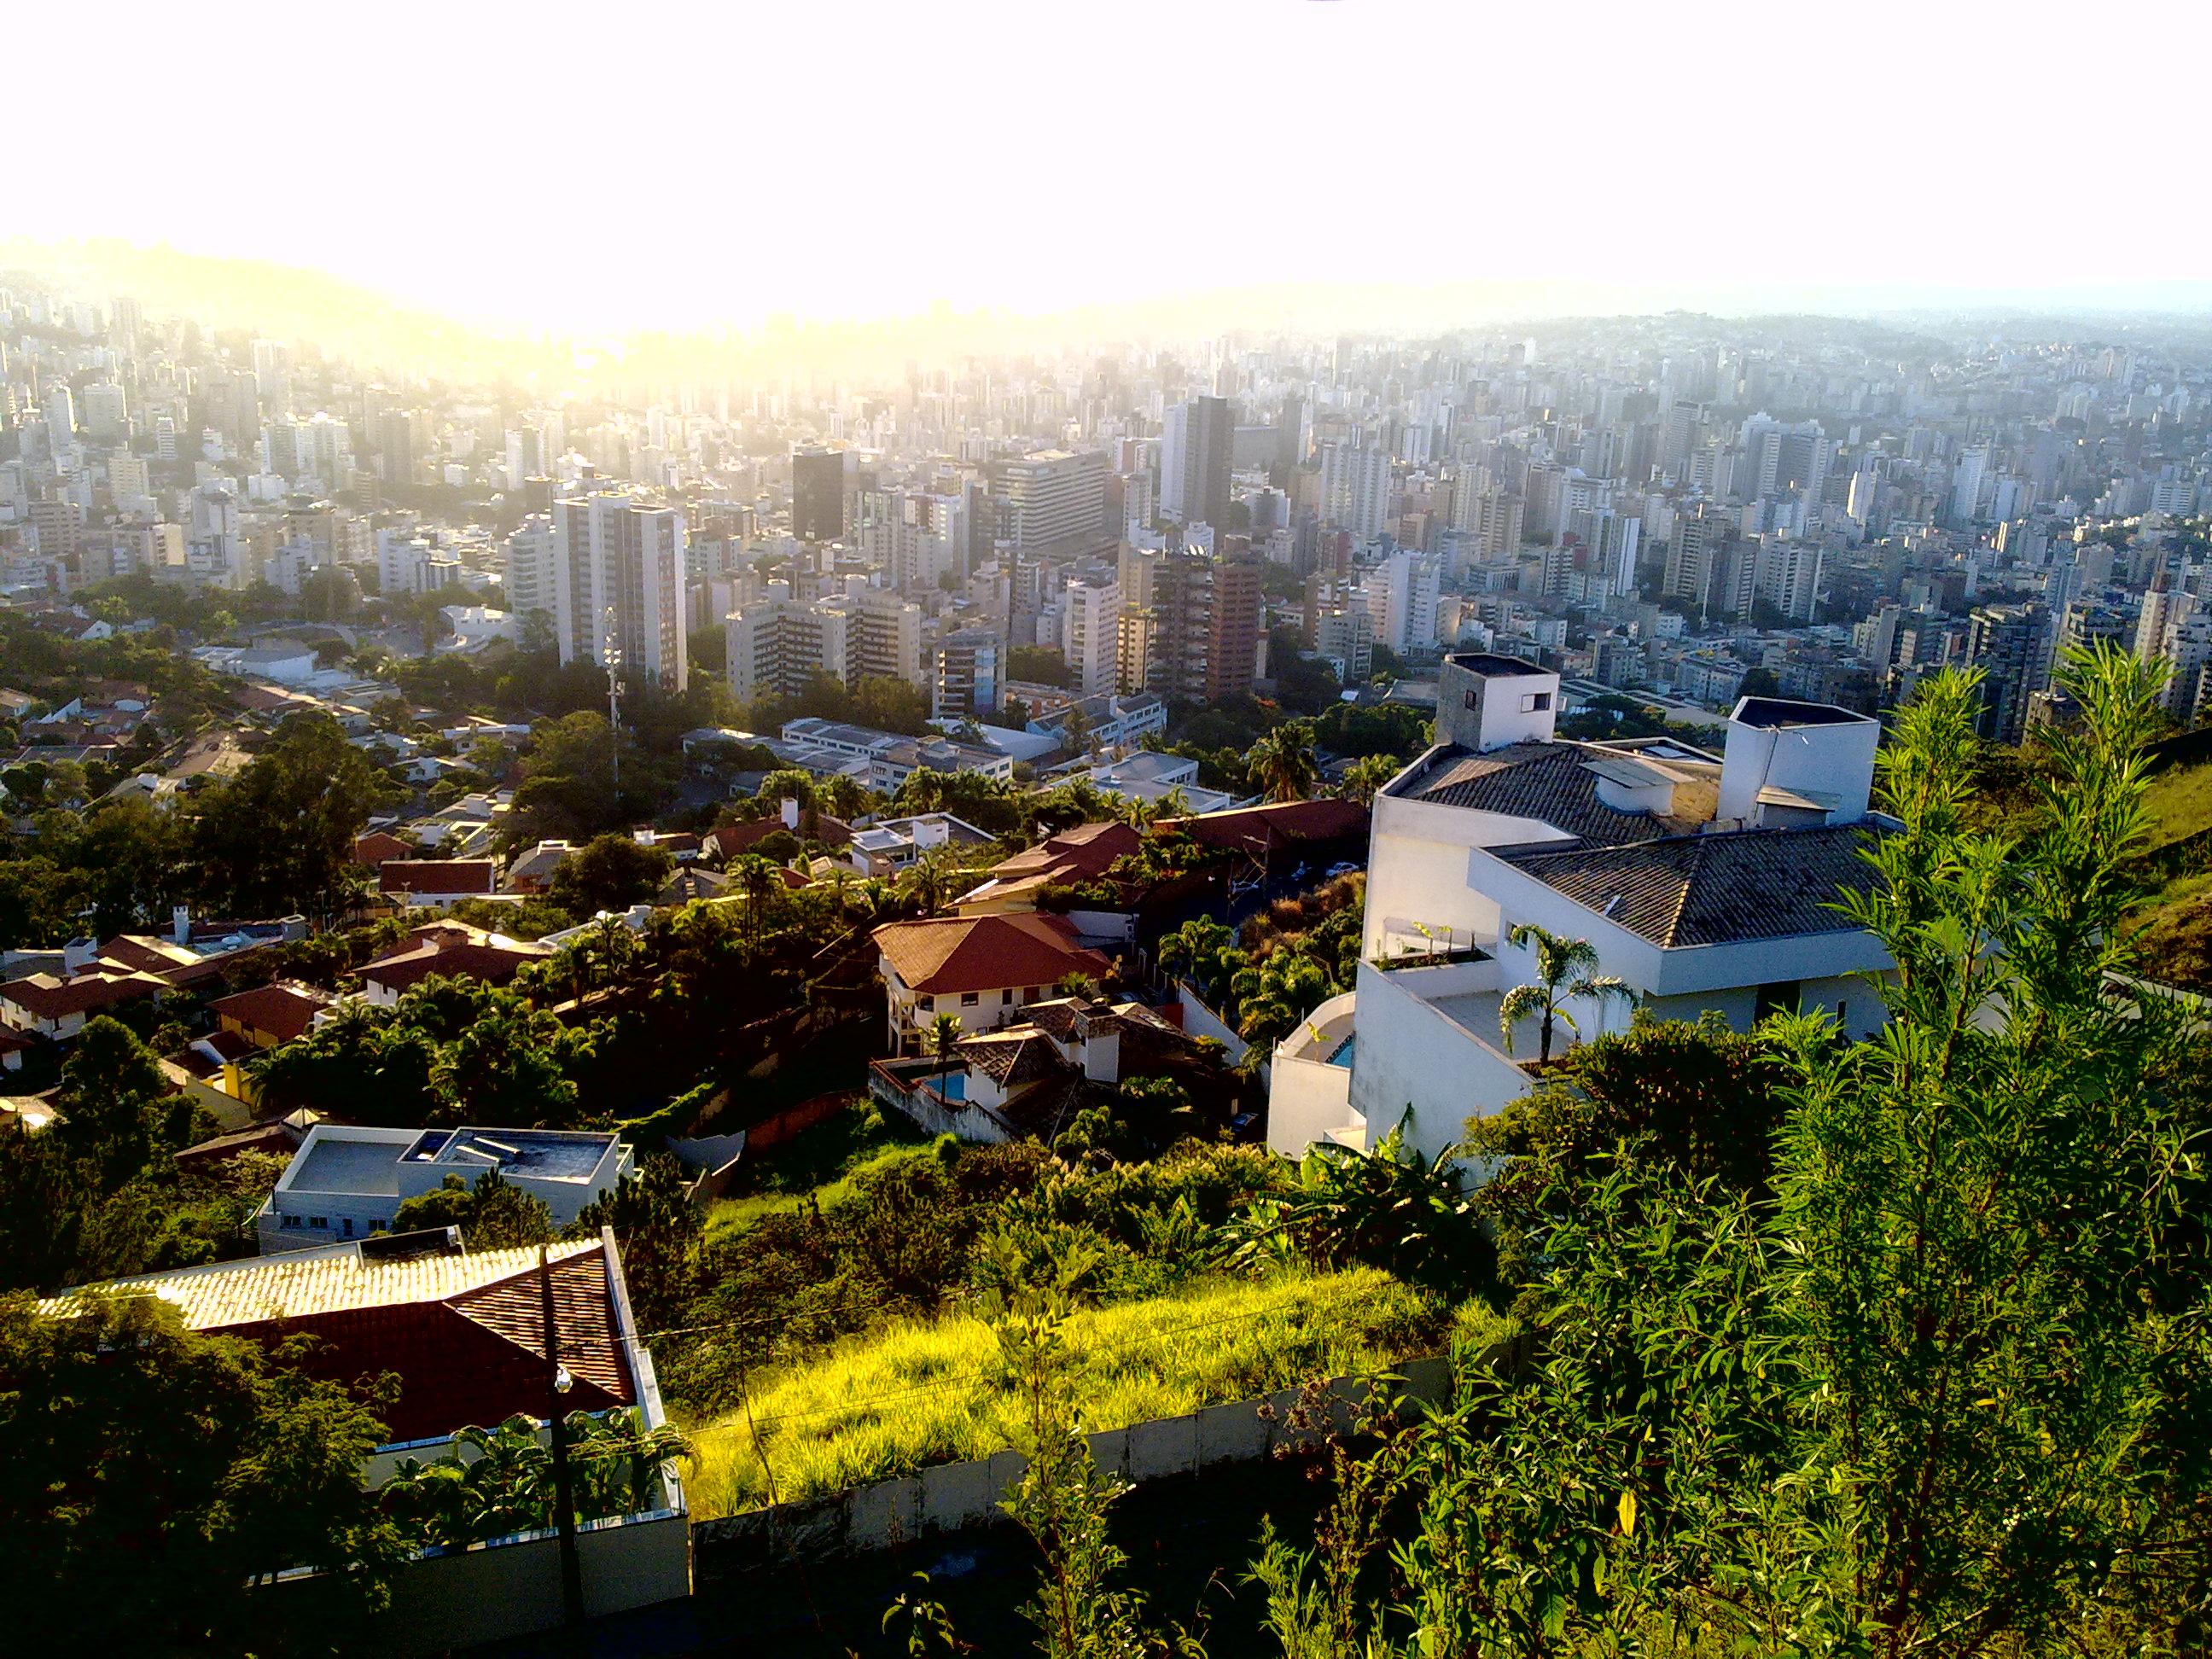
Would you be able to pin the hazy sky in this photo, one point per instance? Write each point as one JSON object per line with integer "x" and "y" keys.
{"x": 621, "y": 166}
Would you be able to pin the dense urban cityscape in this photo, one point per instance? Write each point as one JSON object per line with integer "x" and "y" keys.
{"x": 839, "y": 833}
{"x": 755, "y": 863}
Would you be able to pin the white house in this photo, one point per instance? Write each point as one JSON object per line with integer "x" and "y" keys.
{"x": 346, "y": 1181}
{"x": 1704, "y": 882}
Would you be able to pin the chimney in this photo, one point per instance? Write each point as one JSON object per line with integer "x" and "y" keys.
{"x": 1794, "y": 765}
{"x": 180, "y": 924}
{"x": 79, "y": 954}
{"x": 790, "y": 810}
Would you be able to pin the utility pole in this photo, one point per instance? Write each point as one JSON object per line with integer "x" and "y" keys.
{"x": 614, "y": 698}
{"x": 564, "y": 1499}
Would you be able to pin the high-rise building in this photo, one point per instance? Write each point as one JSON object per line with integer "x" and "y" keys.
{"x": 1206, "y": 636}
{"x": 1197, "y": 445}
{"x": 967, "y": 675}
{"x": 618, "y": 585}
{"x": 818, "y": 494}
{"x": 2011, "y": 644}
{"x": 1355, "y": 488}
{"x": 778, "y": 647}
{"x": 529, "y": 563}
{"x": 1051, "y": 496}
{"x": 1091, "y": 635}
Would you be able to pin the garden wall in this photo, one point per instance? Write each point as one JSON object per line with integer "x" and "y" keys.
{"x": 950, "y": 1497}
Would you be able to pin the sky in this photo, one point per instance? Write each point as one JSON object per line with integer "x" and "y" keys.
{"x": 674, "y": 166}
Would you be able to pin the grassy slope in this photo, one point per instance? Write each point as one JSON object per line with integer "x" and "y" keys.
{"x": 817, "y": 1161}
{"x": 2174, "y": 931}
{"x": 915, "y": 1394}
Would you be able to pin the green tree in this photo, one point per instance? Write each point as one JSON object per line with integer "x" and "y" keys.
{"x": 609, "y": 873}
{"x": 1282, "y": 762}
{"x": 943, "y": 1038}
{"x": 495, "y": 1214}
{"x": 117, "y": 1113}
{"x": 657, "y": 1229}
{"x": 1565, "y": 970}
{"x": 279, "y": 836}
{"x": 1365, "y": 778}
{"x": 154, "y": 1477}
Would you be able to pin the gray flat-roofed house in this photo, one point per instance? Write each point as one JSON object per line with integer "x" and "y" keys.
{"x": 346, "y": 1182}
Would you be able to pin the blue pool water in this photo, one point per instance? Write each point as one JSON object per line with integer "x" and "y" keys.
{"x": 1343, "y": 1055}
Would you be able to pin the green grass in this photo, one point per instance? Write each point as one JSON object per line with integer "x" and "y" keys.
{"x": 819, "y": 1162}
{"x": 915, "y": 1394}
{"x": 2180, "y": 802}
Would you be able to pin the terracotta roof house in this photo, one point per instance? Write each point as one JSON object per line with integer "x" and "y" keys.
{"x": 270, "y": 1014}
{"x": 1029, "y": 1077}
{"x": 464, "y": 1332}
{"x": 433, "y": 883}
{"x": 1293, "y": 825}
{"x": 452, "y": 951}
{"x": 379, "y": 847}
{"x": 1083, "y": 854}
{"x": 984, "y": 969}
{"x": 50, "y": 1005}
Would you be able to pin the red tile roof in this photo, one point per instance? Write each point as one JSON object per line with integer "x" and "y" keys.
{"x": 376, "y": 848}
{"x": 463, "y": 1333}
{"x": 44, "y": 997}
{"x": 440, "y": 876}
{"x": 1251, "y": 828}
{"x": 987, "y": 953}
{"x": 283, "y": 1011}
{"x": 460, "y": 958}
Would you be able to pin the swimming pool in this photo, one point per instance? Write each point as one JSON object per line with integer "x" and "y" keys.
{"x": 1343, "y": 1055}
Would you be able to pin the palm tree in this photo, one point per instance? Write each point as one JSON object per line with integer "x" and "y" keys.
{"x": 1365, "y": 777}
{"x": 943, "y": 1039}
{"x": 1282, "y": 761}
{"x": 755, "y": 878}
{"x": 1565, "y": 970}
{"x": 613, "y": 944}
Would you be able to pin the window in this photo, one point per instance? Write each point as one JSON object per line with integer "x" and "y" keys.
{"x": 347, "y": 1222}
{"x": 291, "y": 1221}
{"x": 1535, "y": 702}
{"x": 928, "y": 1005}
{"x": 1779, "y": 998}
{"x": 1475, "y": 700}
{"x": 377, "y": 1223}
{"x": 322, "y": 1222}
{"x": 970, "y": 998}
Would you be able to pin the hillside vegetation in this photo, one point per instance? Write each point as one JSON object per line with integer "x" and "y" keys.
{"x": 926, "y": 1393}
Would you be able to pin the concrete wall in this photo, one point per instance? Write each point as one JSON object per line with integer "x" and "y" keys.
{"x": 512, "y": 1587}
{"x": 1419, "y": 874}
{"x": 1308, "y": 1097}
{"x": 950, "y": 1496}
{"x": 1411, "y": 1055}
{"x": 1200, "y": 1021}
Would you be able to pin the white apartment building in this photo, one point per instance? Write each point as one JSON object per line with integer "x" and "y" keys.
{"x": 1703, "y": 881}
{"x": 529, "y": 567}
{"x": 1090, "y": 633}
{"x": 618, "y": 585}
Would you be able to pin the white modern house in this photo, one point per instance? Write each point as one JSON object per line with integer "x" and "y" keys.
{"x": 346, "y": 1181}
{"x": 1704, "y": 882}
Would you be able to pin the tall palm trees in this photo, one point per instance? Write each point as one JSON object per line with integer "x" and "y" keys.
{"x": 1282, "y": 762}
{"x": 1565, "y": 969}
{"x": 755, "y": 877}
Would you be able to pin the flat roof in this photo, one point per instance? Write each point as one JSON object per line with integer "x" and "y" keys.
{"x": 1494, "y": 664}
{"x": 1768, "y": 713}
{"x": 343, "y": 1164}
{"x": 540, "y": 1154}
